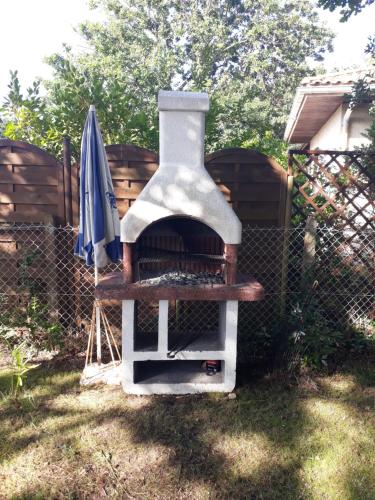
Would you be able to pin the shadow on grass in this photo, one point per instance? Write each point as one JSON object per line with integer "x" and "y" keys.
{"x": 244, "y": 448}
{"x": 202, "y": 444}
{"x": 183, "y": 425}
{"x": 360, "y": 483}
{"x": 5, "y": 381}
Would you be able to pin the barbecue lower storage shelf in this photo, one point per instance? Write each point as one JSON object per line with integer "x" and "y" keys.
{"x": 178, "y": 371}
{"x": 170, "y": 357}
{"x": 175, "y": 361}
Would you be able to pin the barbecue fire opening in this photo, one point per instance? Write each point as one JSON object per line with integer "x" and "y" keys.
{"x": 180, "y": 250}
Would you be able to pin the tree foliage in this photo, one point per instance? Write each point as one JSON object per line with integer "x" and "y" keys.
{"x": 363, "y": 93}
{"x": 348, "y": 7}
{"x": 27, "y": 117}
{"x": 248, "y": 54}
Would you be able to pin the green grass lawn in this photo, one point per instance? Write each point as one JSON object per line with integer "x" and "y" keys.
{"x": 312, "y": 439}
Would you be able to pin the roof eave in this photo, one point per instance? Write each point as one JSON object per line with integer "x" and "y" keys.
{"x": 300, "y": 99}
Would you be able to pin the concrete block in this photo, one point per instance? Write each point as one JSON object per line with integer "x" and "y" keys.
{"x": 154, "y": 372}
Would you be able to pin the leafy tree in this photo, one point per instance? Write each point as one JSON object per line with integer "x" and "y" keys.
{"x": 348, "y": 7}
{"x": 370, "y": 48}
{"x": 26, "y": 117}
{"x": 248, "y": 54}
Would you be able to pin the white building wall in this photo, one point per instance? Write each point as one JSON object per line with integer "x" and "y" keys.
{"x": 330, "y": 135}
{"x": 360, "y": 120}
{"x": 336, "y": 134}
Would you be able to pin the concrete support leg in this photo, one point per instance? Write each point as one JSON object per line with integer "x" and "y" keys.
{"x": 128, "y": 331}
{"x": 231, "y": 320}
{"x": 163, "y": 327}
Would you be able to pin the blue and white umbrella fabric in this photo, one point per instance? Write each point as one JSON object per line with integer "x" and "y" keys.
{"x": 99, "y": 224}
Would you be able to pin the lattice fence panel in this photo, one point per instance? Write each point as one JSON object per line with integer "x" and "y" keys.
{"x": 339, "y": 187}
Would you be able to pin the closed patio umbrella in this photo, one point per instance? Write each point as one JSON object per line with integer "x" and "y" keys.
{"x": 98, "y": 239}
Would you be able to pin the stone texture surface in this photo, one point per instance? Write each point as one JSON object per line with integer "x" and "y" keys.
{"x": 112, "y": 286}
{"x": 183, "y": 278}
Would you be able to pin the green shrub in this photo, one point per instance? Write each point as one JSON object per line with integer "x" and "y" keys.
{"x": 29, "y": 324}
{"x": 317, "y": 341}
{"x": 20, "y": 361}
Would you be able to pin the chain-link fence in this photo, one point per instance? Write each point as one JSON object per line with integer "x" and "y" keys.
{"x": 40, "y": 275}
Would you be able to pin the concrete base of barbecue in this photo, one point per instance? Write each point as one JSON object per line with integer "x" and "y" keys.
{"x": 154, "y": 368}
{"x": 154, "y": 372}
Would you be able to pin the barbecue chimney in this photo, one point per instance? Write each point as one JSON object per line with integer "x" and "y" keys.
{"x": 182, "y": 187}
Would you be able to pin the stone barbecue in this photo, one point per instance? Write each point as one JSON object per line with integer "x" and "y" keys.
{"x": 180, "y": 240}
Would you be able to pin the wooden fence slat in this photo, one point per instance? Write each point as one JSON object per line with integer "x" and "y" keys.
{"x": 29, "y": 178}
{"x": 258, "y": 210}
{"x": 35, "y": 198}
{"x": 37, "y": 211}
{"x": 119, "y": 152}
{"x": 39, "y": 217}
{"x": 24, "y": 157}
{"x": 254, "y": 174}
{"x": 261, "y": 192}
{"x": 143, "y": 172}
{"x": 30, "y": 188}
{"x": 42, "y": 170}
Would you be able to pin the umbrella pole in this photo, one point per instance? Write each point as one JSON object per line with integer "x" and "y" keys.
{"x": 97, "y": 316}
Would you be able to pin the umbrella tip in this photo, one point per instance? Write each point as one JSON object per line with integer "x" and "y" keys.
{"x": 92, "y": 107}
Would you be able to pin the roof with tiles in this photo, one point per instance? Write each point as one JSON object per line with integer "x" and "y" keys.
{"x": 317, "y": 97}
{"x": 341, "y": 77}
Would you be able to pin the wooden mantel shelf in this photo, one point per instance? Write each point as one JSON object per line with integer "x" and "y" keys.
{"x": 112, "y": 286}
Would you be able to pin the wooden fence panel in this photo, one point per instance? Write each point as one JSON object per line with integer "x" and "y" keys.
{"x": 34, "y": 186}
{"x": 254, "y": 184}
{"x": 31, "y": 184}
